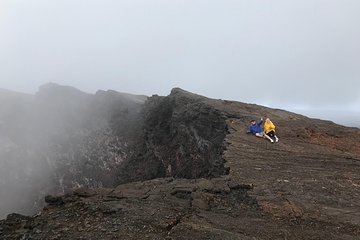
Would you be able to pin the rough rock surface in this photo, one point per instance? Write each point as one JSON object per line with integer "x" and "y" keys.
{"x": 62, "y": 138}
{"x": 304, "y": 187}
{"x": 182, "y": 137}
{"x": 156, "y": 209}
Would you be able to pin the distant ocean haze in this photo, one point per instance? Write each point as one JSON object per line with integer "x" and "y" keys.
{"x": 342, "y": 117}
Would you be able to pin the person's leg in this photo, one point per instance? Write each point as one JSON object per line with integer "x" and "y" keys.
{"x": 269, "y": 138}
{"x": 270, "y": 134}
{"x": 263, "y": 135}
{"x": 276, "y": 138}
{"x": 273, "y": 136}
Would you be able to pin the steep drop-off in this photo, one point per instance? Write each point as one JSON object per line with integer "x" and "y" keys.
{"x": 182, "y": 137}
{"x": 212, "y": 180}
{"x": 62, "y": 138}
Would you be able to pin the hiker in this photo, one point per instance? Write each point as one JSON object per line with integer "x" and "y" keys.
{"x": 256, "y": 129}
{"x": 269, "y": 129}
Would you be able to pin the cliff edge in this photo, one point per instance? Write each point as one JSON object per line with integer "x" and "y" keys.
{"x": 192, "y": 172}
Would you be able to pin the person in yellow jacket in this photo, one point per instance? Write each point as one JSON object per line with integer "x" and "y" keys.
{"x": 269, "y": 129}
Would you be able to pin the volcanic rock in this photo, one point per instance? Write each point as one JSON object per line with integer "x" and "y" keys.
{"x": 188, "y": 170}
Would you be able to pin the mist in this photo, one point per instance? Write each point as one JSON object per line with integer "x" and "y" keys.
{"x": 345, "y": 118}
{"x": 301, "y": 56}
{"x": 287, "y": 53}
{"x": 60, "y": 138}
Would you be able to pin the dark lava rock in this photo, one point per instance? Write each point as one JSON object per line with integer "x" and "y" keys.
{"x": 183, "y": 137}
{"x": 62, "y": 138}
{"x": 124, "y": 213}
{"x": 54, "y": 200}
{"x": 304, "y": 187}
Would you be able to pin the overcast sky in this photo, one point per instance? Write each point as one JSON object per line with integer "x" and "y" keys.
{"x": 284, "y": 53}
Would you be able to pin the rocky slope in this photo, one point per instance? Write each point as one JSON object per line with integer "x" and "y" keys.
{"x": 211, "y": 179}
{"x": 182, "y": 137}
{"x": 61, "y": 138}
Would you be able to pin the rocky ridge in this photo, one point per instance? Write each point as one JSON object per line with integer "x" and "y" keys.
{"x": 182, "y": 137}
{"x": 238, "y": 187}
{"x": 62, "y": 138}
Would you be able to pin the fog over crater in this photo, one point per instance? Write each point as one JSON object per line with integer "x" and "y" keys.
{"x": 299, "y": 56}
{"x": 281, "y": 53}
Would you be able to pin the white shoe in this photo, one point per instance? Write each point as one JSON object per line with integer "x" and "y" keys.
{"x": 272, "y": 141}
{"x": 276, "y": 139}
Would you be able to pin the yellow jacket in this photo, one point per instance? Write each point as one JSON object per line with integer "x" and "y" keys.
{"x": 269, "y": 126}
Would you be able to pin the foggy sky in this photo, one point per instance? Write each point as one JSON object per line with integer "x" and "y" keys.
{"x": 290, "y": 54}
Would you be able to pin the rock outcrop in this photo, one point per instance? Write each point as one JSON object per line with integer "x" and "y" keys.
{"x": 156, "y": 209}
{"x": 182, "y": 137}
{"x": 62, "y": 138}
{"x": 198, "y": 174}
{"x": 67, "y": 138}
